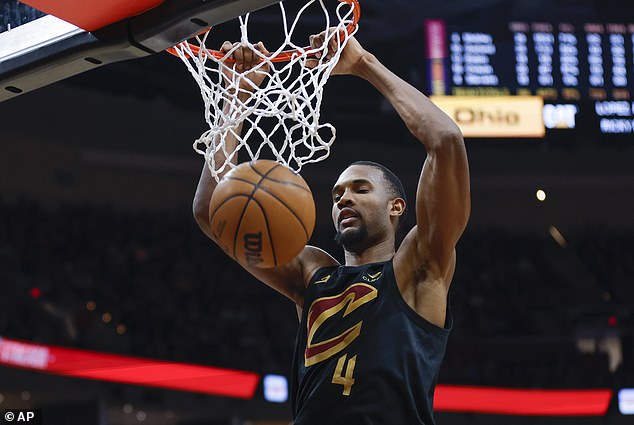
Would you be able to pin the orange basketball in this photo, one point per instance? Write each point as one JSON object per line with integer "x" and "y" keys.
{"x": 262, "y": 213}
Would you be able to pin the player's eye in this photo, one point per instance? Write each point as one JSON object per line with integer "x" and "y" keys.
{"x": 336, "y": 197}
{"x": 363, "y": 190}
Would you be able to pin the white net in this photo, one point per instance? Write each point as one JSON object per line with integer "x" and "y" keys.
{"x": 279, "y": 118}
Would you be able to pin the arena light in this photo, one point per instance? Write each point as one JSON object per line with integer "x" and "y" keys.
{"x": 128, "y": 370}
{"x": 557, "y": 236}
{"x": 626, "y": 401}
{"x": 275, "y": 388}
{"x": 505, "y": 401}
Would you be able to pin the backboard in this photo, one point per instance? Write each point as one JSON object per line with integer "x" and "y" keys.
{"x": 76, "y": 36}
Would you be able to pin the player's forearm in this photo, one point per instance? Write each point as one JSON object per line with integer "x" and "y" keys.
{"x": 207, "y": 184}
{"x": 200, "y": 206}
{"x": 425, "y": 120}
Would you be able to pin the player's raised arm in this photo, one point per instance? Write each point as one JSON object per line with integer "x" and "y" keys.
{"x": 245, "y": 60}
{"x": 425, "y": 261}
{"x": 288, "y": 279}
{"x": 443, "y": 194}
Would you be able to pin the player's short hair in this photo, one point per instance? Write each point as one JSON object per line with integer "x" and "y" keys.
{"x": 394, "y": 185}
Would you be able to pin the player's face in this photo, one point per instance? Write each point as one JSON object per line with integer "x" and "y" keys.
{"x": 360, "y": 207}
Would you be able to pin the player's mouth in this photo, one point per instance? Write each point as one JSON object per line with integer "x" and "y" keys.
{"x": 347, "y": 216}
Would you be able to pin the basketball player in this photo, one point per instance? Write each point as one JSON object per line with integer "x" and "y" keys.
{"x": 373, "y": 331}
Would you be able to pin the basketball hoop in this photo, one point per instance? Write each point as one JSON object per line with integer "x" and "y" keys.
{"x": 280, "y": 116}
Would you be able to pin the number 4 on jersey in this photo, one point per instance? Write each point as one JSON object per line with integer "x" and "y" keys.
{"x": 346, "y": 380}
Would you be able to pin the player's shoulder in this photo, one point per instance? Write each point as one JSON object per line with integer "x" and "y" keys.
{"x": 312, "y": 259}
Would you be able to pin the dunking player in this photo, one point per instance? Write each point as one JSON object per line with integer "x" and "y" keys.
{"x": 373, "y": 331}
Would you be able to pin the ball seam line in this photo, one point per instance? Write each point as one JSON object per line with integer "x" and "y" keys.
{"x": 246, "y": 204}
{"x": 224, "y": 201}
{"x": 279, "y": 181}
{"x": 263, "y": 189}
{"x": 288, "y": 208}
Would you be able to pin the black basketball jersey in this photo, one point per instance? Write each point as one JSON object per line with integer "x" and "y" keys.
{"x": 362, "y": 355}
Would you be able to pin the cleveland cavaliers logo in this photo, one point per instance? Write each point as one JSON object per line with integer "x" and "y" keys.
{"x": 324, "y": 308}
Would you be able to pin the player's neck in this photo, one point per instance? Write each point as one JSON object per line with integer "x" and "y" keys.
{"x": 381, "y": 251}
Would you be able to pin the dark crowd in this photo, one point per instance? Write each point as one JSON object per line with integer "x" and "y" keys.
{"x": 529, "y": 311}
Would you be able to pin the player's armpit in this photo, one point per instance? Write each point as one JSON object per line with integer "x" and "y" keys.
{"x": 421, "y": 282}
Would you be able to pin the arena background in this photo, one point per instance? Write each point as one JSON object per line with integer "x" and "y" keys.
{"x": 99, "y": 250}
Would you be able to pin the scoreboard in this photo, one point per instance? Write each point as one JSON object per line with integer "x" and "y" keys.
{"x": 578, "y": 69}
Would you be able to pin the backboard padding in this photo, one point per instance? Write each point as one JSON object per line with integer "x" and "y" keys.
{"x": 153, "y": 31}
{"x": 93, "y": 15}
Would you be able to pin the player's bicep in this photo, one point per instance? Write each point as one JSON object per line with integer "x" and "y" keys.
{"x": 443, "y": 203}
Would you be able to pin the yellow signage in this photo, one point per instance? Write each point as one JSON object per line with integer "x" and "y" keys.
{"x": 495, "y": 116}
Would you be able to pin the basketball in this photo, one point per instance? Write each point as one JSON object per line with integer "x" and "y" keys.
{"x": 262, "y": 213}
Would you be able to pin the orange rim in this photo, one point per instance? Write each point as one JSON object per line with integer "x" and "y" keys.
{"x": 283, "y": 56}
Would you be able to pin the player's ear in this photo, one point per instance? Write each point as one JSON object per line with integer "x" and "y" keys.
{"x": 397, "y": 207}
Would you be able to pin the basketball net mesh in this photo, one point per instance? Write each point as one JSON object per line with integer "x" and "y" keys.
{"x": 282, "y": 115}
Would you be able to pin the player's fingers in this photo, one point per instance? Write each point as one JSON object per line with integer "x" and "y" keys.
{"x": 316, "y": 42}
{"x": 238, "y": 56}
{"x": 248, "y": 55}
{"x": 333, "y": 45}
{"x": 226, "y": 67}
{"x": 263, "y": 50}
{"x": 312, "y": 63}
{"x": 226, "y": 46}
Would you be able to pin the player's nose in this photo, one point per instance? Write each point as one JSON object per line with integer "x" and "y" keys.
{"x": 346, "y": 199}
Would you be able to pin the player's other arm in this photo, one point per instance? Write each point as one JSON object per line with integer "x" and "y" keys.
{"x": 289, "y": 279}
